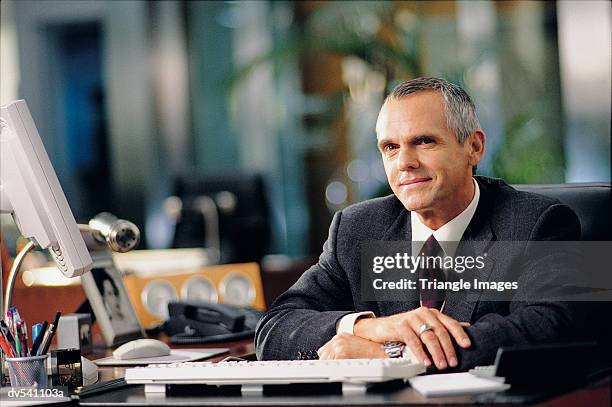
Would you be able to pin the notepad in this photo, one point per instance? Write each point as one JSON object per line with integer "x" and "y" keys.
{"x": 453, "y": 384}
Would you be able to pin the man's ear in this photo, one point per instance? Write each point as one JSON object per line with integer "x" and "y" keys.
{"x": 476, "y": 146}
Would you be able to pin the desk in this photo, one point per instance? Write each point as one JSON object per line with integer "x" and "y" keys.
{"x": 593, "y": 395}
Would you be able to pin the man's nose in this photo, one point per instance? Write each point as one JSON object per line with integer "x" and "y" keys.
{"x": 407, "y": 159}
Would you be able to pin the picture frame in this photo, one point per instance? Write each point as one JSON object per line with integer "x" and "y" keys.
{"x": 110, "y": 301}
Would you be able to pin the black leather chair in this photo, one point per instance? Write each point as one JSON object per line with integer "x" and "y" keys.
{"x": 590, "y": 201}
{"x": 244, "y": 222}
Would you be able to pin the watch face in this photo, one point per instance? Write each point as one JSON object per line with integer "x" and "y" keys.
{"x": 155, "y": 297}
{"x": 236, "y": 289}
{"x": 200, "y": 289}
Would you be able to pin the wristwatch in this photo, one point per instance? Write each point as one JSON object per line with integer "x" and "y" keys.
{"x": 394, "y": 349}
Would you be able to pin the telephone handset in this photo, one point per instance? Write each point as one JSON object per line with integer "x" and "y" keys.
{"x": 205, "y": 322}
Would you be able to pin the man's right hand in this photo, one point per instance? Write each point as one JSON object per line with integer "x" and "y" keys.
{"x": 405, "y": 327}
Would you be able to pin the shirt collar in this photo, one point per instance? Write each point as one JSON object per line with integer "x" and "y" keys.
{"x": 449, "y": 234}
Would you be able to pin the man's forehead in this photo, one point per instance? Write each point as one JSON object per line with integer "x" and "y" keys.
{"x": 420, "y": 101}
{"x": 419, "y": 107}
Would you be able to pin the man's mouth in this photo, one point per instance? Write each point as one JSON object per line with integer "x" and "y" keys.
{"x": 413, "y": 182}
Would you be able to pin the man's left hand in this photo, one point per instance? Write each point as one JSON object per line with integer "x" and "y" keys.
{"x": 347, "y": 346}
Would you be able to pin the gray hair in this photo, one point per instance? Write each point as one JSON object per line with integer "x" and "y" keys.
{"x": 459, "y": 109}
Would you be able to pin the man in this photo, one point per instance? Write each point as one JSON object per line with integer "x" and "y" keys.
{"x": 431, "y": 142}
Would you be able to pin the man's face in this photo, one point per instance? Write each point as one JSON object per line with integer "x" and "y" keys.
{"x": 427, "y": 169}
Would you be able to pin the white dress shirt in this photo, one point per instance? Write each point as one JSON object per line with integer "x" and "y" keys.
{"x": 448, "y": 235}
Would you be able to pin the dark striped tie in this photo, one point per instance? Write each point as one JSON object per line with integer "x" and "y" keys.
{"x": 431, "y": 297}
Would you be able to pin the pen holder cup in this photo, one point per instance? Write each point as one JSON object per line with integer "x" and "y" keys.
{"x": 28, "y": 371}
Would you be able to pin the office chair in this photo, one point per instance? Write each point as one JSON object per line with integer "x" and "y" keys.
{"x": 590, "y": 201}
{"x": 236, "y": 203}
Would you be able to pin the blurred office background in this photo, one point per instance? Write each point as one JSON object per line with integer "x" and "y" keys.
{"x": 267, "y": 108}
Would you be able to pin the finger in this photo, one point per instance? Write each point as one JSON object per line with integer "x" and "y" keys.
{"x": 456, "y": 330}
{"x": 431, "y": 341}
{"x": 324, "y": 351}
{"x": 413, "y": 342}
{"x": 465, "y": 324}
{"x": 430, "y": 338}
{"x": 432, "y": 346}
{"x": 326, "y": 354}
{"x": 444, "y": 339}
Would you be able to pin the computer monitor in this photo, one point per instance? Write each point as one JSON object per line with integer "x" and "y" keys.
{"x": 31, "y": 192}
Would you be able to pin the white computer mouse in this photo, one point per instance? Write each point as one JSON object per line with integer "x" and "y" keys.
{"x": 140, "y": 349}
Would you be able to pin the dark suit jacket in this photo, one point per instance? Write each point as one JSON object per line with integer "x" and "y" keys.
{"x": 305, "y": 317}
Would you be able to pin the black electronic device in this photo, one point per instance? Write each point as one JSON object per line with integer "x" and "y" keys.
{"x": 66, "y": 368}
{"x": 227, "y": 317}
{"x": 547, "y": 364}
{"x": 205, "y": 322}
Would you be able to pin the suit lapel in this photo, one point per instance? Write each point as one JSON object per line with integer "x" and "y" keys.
{"x": 400, "y": 231}
{"x": 478, "y": 236}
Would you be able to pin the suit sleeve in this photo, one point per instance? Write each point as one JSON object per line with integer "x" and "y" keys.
{"x": 304, "y": 318}
{"x": 532, "y": 321}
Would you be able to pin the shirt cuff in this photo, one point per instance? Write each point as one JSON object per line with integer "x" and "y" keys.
{"x": 347, "y": 322}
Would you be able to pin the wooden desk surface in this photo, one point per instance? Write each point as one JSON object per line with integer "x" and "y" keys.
{"x": 595, "y": 394}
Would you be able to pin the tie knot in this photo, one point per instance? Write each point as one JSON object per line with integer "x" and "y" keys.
{"x": 432, "y": 247}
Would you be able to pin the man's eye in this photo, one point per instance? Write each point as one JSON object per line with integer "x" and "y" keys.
{"x": 389, "y": 147}
{"x": 423, "y": 140}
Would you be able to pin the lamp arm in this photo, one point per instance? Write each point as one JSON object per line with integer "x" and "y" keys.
{"x": 8, "y": 294}
{"x": 104, "y": 231}
{"x": 86, "y": 232}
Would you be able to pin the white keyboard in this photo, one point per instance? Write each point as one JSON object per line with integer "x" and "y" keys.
{"x": 273, "y": 372}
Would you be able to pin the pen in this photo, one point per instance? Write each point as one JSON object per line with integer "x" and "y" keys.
{"x": 22, "y": 335}
{"x": 24, "y": 329}
{"x": 36, "y": 328}
{"x": 39, "y": 337}
{"x": 6, "y": 348}
{"x": 17, "y": 339}
{"x": 15, "y": 318}
{"x": 6, "y": 332}
{"x": 15, "y": 313}
{"x": 9, "y": 320}
{"x": 49, "y": 335}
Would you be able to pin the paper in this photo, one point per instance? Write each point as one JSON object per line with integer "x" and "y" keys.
{"x": 175, "y": 356}
{"x": 453, "y": 384}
